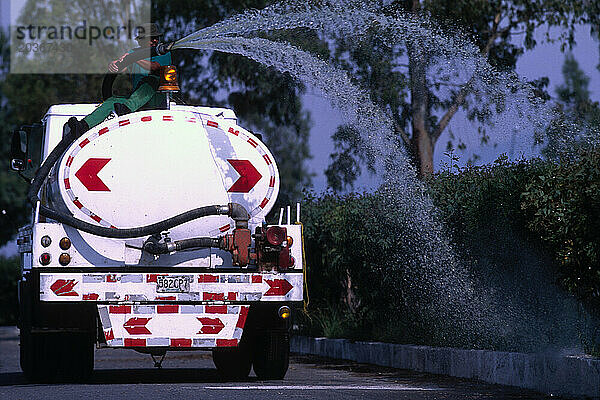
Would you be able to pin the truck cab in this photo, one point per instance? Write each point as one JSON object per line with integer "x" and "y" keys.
{"x": 218, "y": 279}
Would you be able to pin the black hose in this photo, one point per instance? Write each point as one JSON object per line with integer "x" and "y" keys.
{"x": 154, "y": 246}
{"x": 116, "y": 233}
{"x": 199, "y": 242}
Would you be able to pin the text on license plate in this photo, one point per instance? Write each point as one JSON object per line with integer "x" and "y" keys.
{"x": 173, "y": 284}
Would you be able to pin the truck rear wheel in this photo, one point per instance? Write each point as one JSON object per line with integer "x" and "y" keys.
{"x": 271, "y": 355}
{"x": 233, "y": 363}
{"x": 51, "y": 357}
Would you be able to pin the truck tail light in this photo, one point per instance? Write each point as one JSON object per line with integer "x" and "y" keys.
{"x": 64, "y": 259}
{"x": 45, "y": 258}
{"x": 65, "y": 243}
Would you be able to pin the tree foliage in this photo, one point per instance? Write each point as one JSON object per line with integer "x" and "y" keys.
{"x": 574, "y": 107}
{"x": 13, "y": 210}
{"x": 574, "y": 94}
{"x": 422, "y": 103}
{"x": 563, "y": 207}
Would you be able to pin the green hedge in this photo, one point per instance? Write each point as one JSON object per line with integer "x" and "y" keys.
{"x": 563, "y": 208}
{"x": 518, "y": 227}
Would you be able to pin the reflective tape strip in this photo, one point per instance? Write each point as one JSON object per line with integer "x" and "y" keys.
{"x": 191, "y": 309}
{"x": 92, "y": 278}
{"x": 216, "y": 309}
{"x": 225, "y": 228}
{"x": 156, "y": 342}
{"x": 227, "y": 342}
{"x": 181, "y": 342}
{"x": 237, "y": 333}
{"x": 130, "y": 278}
{"x": 242, "y": 318}
{"x": 220, "y": 230}
{"x": 167, "y": 309}
{"x": 119, "y": 309}
{"x": 204, "y": 343}
{"x": 104, "y": 317}
{"x": 144, "y": 309}
{"x": 205, "y": 278}
{"x": 129, "y": 342}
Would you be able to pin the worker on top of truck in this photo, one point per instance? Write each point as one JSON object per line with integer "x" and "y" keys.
{"x": 144, "y": 76}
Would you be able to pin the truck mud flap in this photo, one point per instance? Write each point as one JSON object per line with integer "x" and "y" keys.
{"x": 173, "y": 325}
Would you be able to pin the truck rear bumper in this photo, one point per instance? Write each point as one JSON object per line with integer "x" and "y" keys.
{"x": 142, "y": 287}
{"x": 132, "y": 311}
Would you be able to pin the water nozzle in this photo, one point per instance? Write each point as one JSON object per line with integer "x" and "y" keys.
{"x": 164, "y": 48}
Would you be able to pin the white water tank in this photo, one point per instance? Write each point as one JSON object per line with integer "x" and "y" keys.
{"x": 148, "y": 166}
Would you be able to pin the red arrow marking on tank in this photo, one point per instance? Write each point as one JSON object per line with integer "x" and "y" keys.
{"x": 278, "y": 287}
{"x": 137, "y": 326}
{"x": 211, "y": 326}
{"x": 88, "y": 174}
{"x": 64, "y": 287}
{"x": 249, "y": 176}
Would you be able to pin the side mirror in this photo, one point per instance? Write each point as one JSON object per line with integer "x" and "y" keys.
{"x": 18, "y": 153}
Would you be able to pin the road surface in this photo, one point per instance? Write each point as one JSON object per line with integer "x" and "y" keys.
{"x": 126, "y": 374}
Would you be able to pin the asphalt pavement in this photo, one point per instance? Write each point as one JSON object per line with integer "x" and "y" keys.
{"x": 126, "y": 374}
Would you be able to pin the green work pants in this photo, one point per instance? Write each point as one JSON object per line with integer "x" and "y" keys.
{"x": 142, "y": 94}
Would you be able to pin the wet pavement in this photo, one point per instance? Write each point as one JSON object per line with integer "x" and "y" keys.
{"x": 126, "y": 374}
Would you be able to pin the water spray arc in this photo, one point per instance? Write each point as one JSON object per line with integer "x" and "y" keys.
{"x": 443, "y": 288}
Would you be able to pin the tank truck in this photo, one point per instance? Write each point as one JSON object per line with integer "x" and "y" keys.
{"x": 148, "y": 232}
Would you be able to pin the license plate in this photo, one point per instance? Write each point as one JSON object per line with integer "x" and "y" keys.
{"x": 173, "y": 284}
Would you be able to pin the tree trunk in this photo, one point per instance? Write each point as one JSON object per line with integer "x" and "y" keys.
{"x": 421, "y": 138}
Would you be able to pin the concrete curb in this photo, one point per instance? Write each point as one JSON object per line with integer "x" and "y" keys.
{"x": 557, "y": 375}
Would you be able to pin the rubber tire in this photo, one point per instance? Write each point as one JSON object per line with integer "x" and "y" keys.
{"x": 57, "y": 357}
{"x": 233, "y": 363}
{"x": 271, "y": 355}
